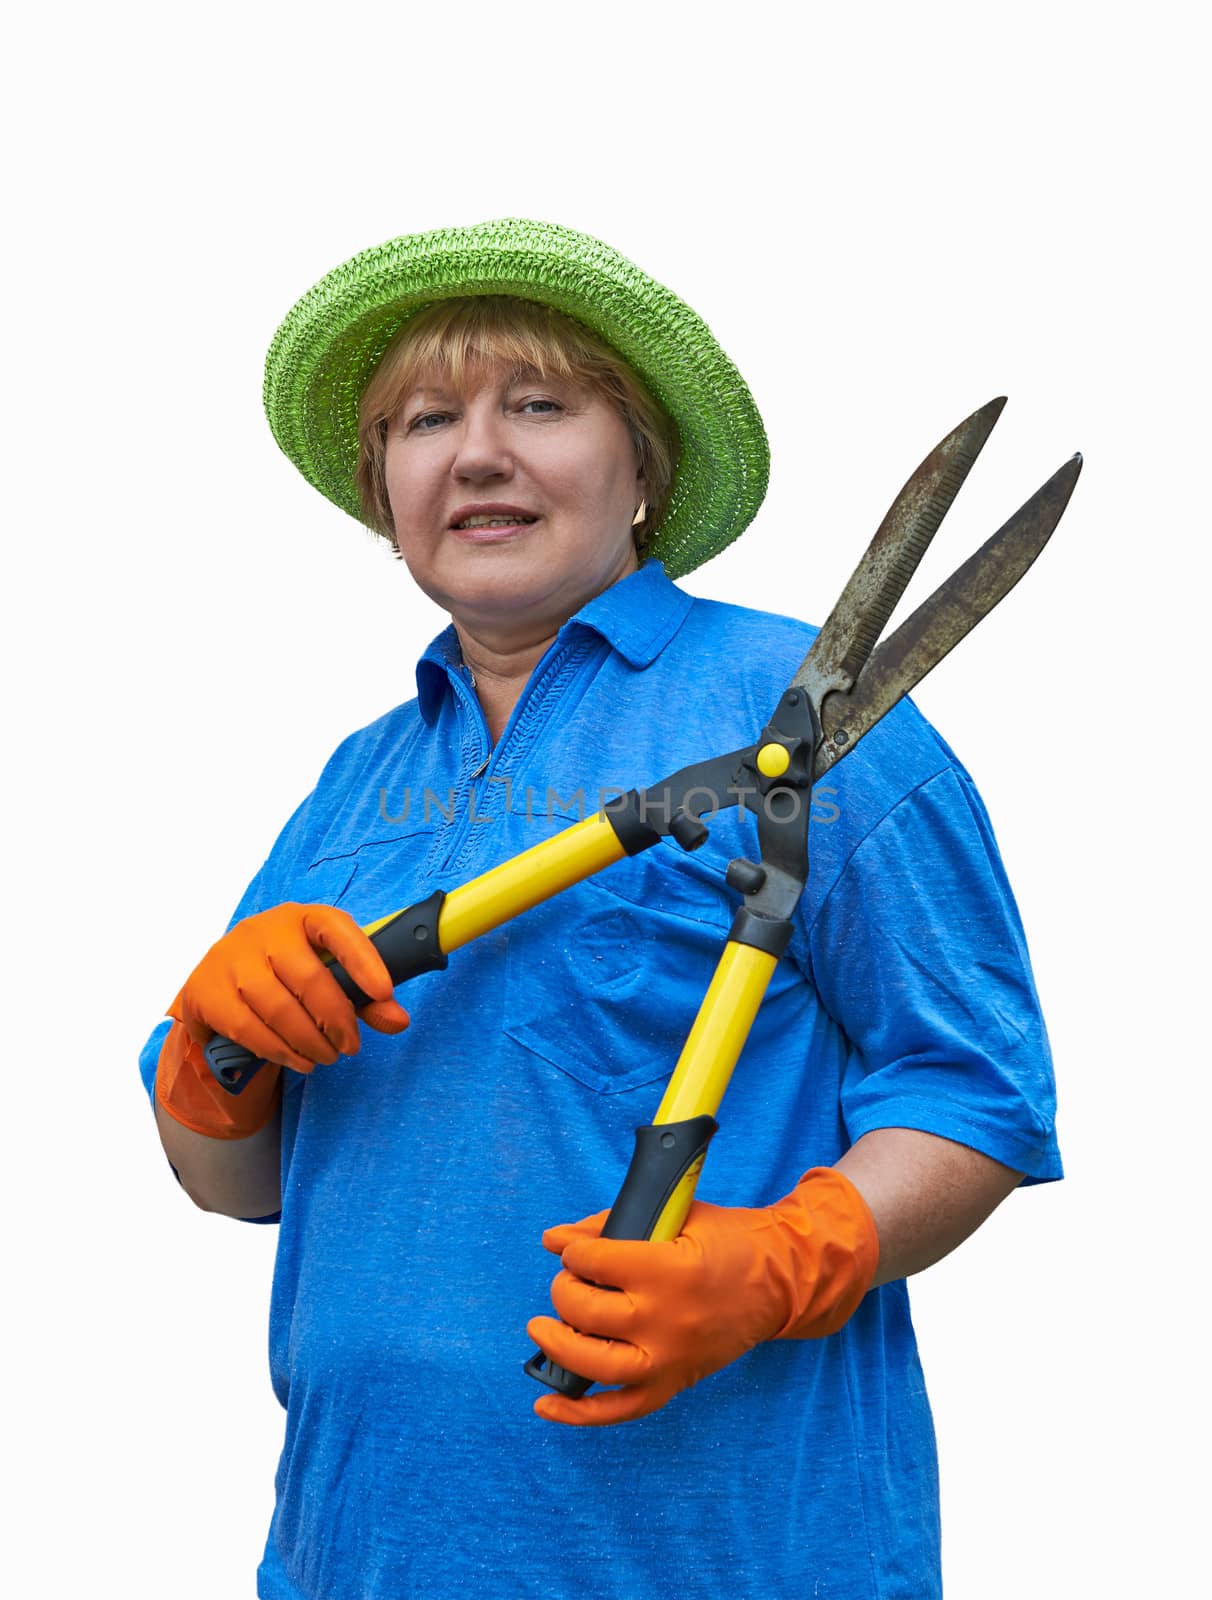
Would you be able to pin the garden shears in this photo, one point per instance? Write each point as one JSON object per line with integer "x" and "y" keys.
{"x": 848, "y": 680}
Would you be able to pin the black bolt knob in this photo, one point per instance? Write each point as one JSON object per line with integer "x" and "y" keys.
{"x": 746, "y": 877}
{"x": 689, "y": 832}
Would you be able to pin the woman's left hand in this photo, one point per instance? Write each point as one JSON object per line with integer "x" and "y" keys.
{"x": 677, "y": 1311}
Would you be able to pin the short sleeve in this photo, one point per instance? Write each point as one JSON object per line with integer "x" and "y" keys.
{"x": 919, "y": 955}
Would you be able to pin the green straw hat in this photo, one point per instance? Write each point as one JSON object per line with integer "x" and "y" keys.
{"x": 324, "y": 353}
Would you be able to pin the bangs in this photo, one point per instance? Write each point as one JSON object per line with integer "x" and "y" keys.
{"x": 458, "y": 338}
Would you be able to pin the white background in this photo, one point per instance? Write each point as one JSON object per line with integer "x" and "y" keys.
{"x": 887, "y": 214}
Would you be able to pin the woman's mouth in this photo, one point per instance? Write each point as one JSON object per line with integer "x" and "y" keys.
{"x": 492, "y": 527}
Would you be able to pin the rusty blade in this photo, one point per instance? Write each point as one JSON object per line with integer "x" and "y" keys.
{"x": 939, "y": 623}
{"x": 849, "y": 635}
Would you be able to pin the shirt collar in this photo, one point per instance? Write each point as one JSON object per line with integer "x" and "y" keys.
{"x": 433, "y": 669}
{"x": 637, "y": 616}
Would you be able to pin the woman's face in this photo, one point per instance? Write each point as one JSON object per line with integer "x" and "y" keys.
{"x": 513, "y": 497}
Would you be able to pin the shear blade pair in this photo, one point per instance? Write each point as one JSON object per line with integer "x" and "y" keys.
{"x": 866, "y": 678}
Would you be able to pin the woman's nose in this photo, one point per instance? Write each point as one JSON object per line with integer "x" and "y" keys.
{"x": 482, "y": 448}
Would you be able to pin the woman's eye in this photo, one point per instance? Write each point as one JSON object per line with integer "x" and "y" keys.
{"x": 427, "y": 421}
{"x": 541, "y": 408}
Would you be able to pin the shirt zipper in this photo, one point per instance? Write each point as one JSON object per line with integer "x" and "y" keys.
{"x": 545, "y": 675}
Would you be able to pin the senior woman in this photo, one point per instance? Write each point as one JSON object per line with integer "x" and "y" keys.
{"x": 548, "y": 439}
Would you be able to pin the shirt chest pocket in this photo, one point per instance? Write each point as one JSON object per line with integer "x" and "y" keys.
{"x": 603, "y": 982}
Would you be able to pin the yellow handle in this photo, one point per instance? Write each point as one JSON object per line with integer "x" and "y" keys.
{"x": 521, "y": 882}
{"x": 673, "y": 1218}
{"x": 718, "y": 1036}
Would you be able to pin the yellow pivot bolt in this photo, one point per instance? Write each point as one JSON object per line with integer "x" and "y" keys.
{"x": 773, "y": 760}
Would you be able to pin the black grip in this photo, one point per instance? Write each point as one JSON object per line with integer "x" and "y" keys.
{"x": 664, "y": 1152}
{"x": 409, "y": 946}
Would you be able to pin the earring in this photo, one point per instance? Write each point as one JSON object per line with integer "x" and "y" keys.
{"x": 641, "y": 513}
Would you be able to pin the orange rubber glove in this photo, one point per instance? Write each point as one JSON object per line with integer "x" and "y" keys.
{"x": 265, "y": 986}
{"x": 733, "y": 1278}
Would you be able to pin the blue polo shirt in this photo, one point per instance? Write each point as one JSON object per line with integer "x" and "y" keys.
{"x": 418, "y": 1175}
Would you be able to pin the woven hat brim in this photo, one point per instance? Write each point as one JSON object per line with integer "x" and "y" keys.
{"x": 330, "y": 342}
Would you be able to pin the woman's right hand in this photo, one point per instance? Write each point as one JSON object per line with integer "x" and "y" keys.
{"x": 265, "y": 985}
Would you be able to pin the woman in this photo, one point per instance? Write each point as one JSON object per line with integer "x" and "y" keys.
{"x": 548, "y": 437}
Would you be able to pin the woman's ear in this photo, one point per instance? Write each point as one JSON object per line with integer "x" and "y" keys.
{"x": 641, "y": 489}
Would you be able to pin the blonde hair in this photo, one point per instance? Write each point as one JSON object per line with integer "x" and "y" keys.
{"x": 455, "y": 336}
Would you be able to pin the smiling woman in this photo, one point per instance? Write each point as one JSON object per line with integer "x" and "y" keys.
{"x": 516, "y": 464}
{"x": 512, "y": 497}
{"x": 458, "y": 340}
{"x": 548, "y": 438}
